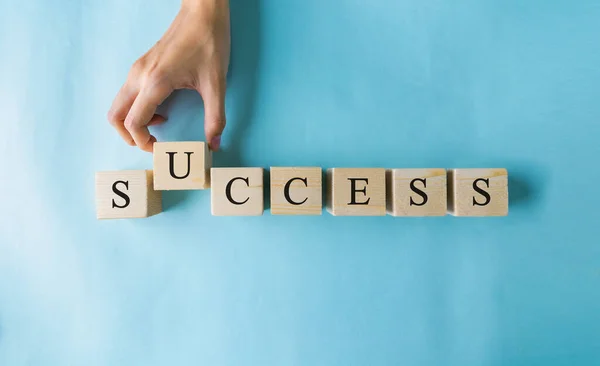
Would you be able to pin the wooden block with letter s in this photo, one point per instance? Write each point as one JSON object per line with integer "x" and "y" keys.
{"x": 182, "y": 165}
{"x": 237, "y": 191}
{"x": 296, "y": 191}
{"x": 416, "y": 192}
{"x": 478, "y": 192}
{"x": 126, "y": 194}
{"x": 356, "y": 191}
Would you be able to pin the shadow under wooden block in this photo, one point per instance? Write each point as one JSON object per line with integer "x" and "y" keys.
{"x": 296, "y": 191}
{"x": 416, "y": 192}
{"x": 181, "y": 165}
{"x": 237, "y": 191}
{"x": 478, "y": 192}
{"x": 126, "y": 194}
{"x": 356, "y": 191}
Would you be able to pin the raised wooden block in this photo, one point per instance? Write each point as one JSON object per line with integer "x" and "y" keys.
{"x": 296, "y": 191}
{"x": 416, "y": 192}
{"x": 181, "y": 165}
{"x": 126, "y": 194}
{"x": 478, "y": 192}
{"x": 237, "y": 191}
{"x": 356, "y": 191}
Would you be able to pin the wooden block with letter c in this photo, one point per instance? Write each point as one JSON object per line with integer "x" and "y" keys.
{"x": 237, "y": 191}
{"x": 296, "y": 191}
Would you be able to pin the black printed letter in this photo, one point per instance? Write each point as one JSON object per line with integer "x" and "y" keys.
{"x": 418, "y": 191}
{"x": 286, "y": 190}
{"x": 482, "y": 192}
{"x": 120, "y": 194}
{"x": 172, "y": 165}
{"x": 228, "y": 190}
{"x": 353, "y": 191}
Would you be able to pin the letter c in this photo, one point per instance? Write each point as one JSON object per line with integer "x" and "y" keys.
{"x": 228, "y": 190}
{"x": 286, "y": 191}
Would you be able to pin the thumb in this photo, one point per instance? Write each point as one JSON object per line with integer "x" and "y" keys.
{"x": 214, "y": 117}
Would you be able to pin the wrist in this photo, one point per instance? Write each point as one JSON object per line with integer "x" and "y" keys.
{"x": 199, "y": 5}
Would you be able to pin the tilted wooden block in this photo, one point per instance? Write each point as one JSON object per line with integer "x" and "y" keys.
{"x": 356, "y": 191}
{"x": 237, "y": 191}
{"x": 296, "y": 191}
{"x": 478, "y": 192}
{"x": 416, "y": 192}
{"x": 181, "y": 165}
{"x": 126, "y": 194}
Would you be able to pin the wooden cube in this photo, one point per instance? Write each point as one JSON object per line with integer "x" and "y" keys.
{"x": 126, "y": 194}
{"x": 416, "y": 192}
{"x": 237, "y": 191}
{"x": 181, "y": 165}
{"x": 296, "y": 191}
{"x": 478, "y": 192}
{"x": 356, "y": 191}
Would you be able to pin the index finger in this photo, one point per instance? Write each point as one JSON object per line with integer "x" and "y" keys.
{"x": 141, "y": 114}
{"x": 119, "y": 110}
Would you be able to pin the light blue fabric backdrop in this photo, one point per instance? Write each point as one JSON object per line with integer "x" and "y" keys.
{"x": 336, "y": 83}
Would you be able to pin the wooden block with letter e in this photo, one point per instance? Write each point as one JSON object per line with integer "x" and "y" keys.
{"x": 478, "y": 192}
{"x": 126, "y": 194}
{"x": 237, "y": 191}
{"x": 181, "y": 165}
{"x": 416, "y": 192}
{"x": 356, "y": 191}
{"x": 296, "y": 191}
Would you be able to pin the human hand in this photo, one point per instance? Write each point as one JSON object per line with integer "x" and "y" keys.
{"x": 192, "y": 54}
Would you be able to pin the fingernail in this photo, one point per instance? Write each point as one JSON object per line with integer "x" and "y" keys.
{"x": 215, "y": 143}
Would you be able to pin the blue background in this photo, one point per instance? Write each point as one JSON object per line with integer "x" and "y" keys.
{"x": 337, "y": 83}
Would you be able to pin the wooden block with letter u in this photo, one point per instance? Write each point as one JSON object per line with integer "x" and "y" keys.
{"x": 356, "y": 191}
{"x": 237, "y": 191}
{"x": 296, "y": 191}
{"x": 126, "y": 194}
{"x": 416, "y": 192}
{"x": 478, "y": 192}
{"x": 181, "y": 165}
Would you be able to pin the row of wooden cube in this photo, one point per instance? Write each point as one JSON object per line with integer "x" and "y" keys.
{"x": 298, "y": 190}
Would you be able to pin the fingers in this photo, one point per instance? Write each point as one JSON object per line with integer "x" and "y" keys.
{"x": 214, "y": 115}
{"x": 119, "y": 110}
{"x": 157, "y": 119}
{"x": 142, "y": 114}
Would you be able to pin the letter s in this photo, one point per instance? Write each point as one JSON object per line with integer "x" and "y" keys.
{"x": 418, "y": 191}
{"x": 120, "y": 194}
{"x": 481, "y": 192}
